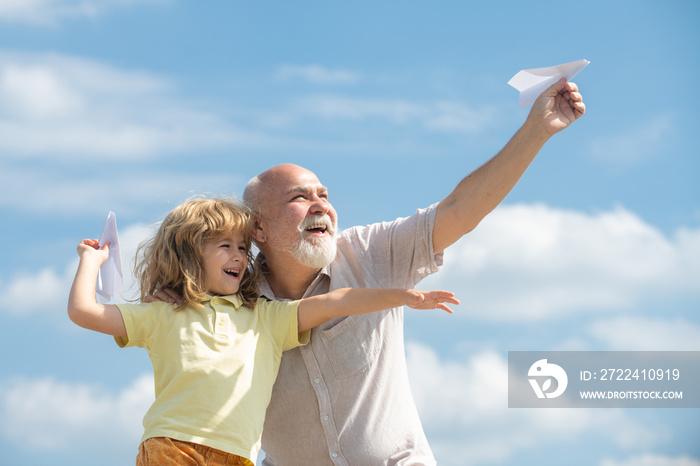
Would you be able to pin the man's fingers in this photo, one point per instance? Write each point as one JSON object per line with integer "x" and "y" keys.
{"x": 167, "y": 296}
{"x": 572, "y": 87}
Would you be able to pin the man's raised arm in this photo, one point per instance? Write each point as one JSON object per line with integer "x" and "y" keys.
{"x": 481, "y": 191}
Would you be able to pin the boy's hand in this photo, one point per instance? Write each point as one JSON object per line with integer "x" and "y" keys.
{"x": 90, "y": 248}
{"x": 432, "y": 300}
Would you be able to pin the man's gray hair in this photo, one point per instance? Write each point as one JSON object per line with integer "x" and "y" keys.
{"x": 251, "y": 194}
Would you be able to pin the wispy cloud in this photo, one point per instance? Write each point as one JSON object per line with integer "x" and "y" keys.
{"x": 51, "y": 12}
{"x": 119, "y": 190}
{"x": 441, "y": 116}
{"x": 627, "y": 333}
{"x": 70, "y": 109}
{"x": 317, "y": 74}
{"x": 641, "y": 143}
{"x": 529, "y": 262}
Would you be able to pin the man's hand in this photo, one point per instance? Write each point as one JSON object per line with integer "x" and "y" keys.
{"x": 167, "y": 296}
{"x": 557, "y": 107}
{"x": 481, "y": 191}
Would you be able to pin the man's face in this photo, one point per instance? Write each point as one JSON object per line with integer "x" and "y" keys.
{"x": 299, "y": 218}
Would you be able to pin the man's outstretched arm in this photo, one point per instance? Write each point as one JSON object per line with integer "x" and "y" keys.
{"x": 481, "y": 191}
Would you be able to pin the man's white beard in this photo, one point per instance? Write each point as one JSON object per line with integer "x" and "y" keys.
{"x": 315, "y": 252}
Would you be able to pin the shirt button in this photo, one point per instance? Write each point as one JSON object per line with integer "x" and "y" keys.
{"x": 317, "y": 380}
{"x": 221, "y": 323}
{"x": 215, "y": 301}
{"x": 325, "y": 418}
{"x": 334, "y": 455}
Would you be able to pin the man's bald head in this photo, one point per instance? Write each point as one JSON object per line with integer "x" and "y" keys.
{"x": 272, "y": 183}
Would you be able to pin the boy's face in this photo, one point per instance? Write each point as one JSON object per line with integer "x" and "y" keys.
{"x": 225, "y": 262}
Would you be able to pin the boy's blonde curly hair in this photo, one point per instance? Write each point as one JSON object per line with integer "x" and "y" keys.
{"x": 173, "y": 258}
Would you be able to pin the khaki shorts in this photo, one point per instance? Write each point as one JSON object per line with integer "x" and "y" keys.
{"x": 160, "y": 451}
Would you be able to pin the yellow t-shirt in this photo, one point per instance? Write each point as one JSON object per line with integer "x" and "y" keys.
{"x": 214, "y": 367}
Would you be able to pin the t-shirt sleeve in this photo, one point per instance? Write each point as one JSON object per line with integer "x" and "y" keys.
{"x": 140, "y": 321}
{"x": 281, "y": 320}
{"x": 395, "y": 254}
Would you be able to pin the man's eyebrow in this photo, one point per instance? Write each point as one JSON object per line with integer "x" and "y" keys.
{"x": 307, "y": 188}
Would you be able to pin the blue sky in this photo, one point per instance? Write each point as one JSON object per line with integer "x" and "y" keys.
{"x": 135, "y": 105}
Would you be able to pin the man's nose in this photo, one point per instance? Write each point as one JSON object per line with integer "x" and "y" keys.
{"x": 320, "y": 206}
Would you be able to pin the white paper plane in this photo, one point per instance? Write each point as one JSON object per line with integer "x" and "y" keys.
{"x": 532, "y": 83}
{"x": 109, "y": 278}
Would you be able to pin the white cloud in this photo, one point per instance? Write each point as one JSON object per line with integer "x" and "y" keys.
{"x": 341, "y": 107}
{"x": 644, "y": 334}
{"x": 65, "y": 109}
{"x": 54, "y": 289}
{"x": 38, "y": 93}
{"x": 463, "y": 407}
{"x": 652, "y": 460}
{"x": 61, "y": 105}
{"x": 528, "y": 262}
{"x": 50, "y": 12}
{"x": 53, "y": 415}
{"x": 317, "y": 74}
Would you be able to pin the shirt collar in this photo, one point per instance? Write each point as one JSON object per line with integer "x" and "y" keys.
{"x": 234, "y": 299}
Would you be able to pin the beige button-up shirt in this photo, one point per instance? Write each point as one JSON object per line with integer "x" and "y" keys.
{"x": 344, "y": 399}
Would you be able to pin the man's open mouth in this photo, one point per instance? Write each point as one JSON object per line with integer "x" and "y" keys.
{"x": 318, "y": 229}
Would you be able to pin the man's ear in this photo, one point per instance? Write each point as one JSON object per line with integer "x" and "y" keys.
{"x": 259, "y": 229}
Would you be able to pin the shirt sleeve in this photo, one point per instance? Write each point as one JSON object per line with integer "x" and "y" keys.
{"x": 141, "y": 321}
{"x": 282, "y": 321}
{"x": 396, "y": 254}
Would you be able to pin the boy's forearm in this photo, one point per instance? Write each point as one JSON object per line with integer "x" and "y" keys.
{"x": 352, "y": 301}
{"x": 348, "y": 301}
{"x": 82, "y": 294}
{"x": 83, "y": 308}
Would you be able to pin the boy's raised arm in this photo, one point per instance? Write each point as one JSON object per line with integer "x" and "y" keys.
{"x": 83, "y": 308}
{"x": 316, "y": 310}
